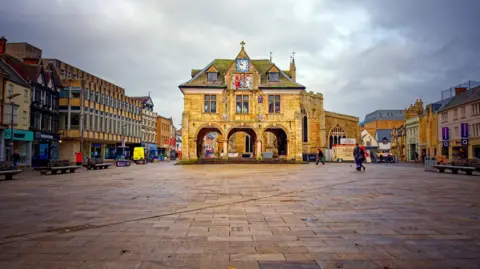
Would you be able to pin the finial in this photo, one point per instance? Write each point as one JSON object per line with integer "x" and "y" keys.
{"x": 149, "y": 94}
{"x": 293, "y": 56}
{"x": 270, "y": 56}
{"x": 242, "y": 43}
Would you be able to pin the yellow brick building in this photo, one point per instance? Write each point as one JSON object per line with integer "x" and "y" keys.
{"x": 257, "y": 110}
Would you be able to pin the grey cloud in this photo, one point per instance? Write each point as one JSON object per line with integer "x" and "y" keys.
{"x": 362, "y": 55}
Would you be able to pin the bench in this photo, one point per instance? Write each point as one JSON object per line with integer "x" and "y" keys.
{"x": 468, "y": 170}
{"x": 54, "y": 167}
{"x": 54, "y": 170}
{"x": 9, "y": 173}
{"x": 98, "y": 166}
{"x": 6, "y": 169}
{"x": 96, "y": 163}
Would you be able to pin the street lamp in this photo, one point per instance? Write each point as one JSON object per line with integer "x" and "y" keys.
{"x": 10, "y": 97}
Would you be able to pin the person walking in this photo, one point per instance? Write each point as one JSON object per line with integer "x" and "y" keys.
{"x": 15, "y": 159}
{"x": 320, "y": 157}
{"x": 359, "y": 155}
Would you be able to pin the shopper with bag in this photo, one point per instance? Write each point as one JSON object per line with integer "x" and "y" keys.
{"x": 320, "y": 157}
{"x": 359, "y": 155}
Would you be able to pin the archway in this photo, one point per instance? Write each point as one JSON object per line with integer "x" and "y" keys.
{"x": 209, "y": 142}
{"x": 276, "y": 141}
{"x": 242, "y": 142}
{"x": 336, "y": 134}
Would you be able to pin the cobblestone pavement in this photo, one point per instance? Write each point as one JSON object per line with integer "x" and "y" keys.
{"x": 244, "y": 216}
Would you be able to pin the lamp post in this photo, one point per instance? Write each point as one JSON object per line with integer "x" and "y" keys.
{"x": 10, "y": 97}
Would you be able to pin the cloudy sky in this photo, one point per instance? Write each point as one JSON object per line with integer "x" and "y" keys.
{"x": 362, "y": 55}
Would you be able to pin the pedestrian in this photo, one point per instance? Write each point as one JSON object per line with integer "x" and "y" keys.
{"x": 359, "y": 155}
{"x": 15, "y": 159}
{"x": 320, "y": 157}
{"x": 423, "y": 157}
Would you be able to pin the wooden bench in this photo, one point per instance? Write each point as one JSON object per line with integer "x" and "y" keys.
{"x": 468, "y": 170}
{"x": 54, "y": 170}
{"x": 98, "y": 166}
{"x": 9, "y": 173}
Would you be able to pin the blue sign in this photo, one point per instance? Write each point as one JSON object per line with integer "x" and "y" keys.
{"x": 260, "y": 99}
{"x": 464, "y": 142}
{"x": 445, "y": 144}
{"x": 464, "y": 130}
{"x": 43, "y": 151}
{"x": 445, "y": 136}
{"x": 17, "y": 135}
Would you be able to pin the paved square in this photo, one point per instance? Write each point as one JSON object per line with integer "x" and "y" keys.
{"x": 243, "y": 216}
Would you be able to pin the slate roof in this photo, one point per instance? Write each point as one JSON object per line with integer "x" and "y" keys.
{"x": 471, "y": 95}
{"x": 381, "y": 133}
{"x": 11, "y": 73}
{"x": 29, "y": 72}
{"x": 199, "y": 77}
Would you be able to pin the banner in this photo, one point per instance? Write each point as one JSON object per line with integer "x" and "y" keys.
{"x": 445, "y": 136}
{"x": 464, "y": 130}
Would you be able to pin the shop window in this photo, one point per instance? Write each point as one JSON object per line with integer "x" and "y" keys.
{"x": 462, "y": 112}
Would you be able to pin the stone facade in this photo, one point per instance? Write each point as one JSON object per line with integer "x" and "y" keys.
{"x": 463, "y": 109}
{"x": 241, "y": 98}
{"x": 412, "y": 130}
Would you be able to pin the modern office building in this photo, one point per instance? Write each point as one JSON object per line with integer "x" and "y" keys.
{"x": 96, "y": 117}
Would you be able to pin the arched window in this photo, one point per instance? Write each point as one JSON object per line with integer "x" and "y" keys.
{"x": 304, "y": 126}
{"x": 336, "y": 134}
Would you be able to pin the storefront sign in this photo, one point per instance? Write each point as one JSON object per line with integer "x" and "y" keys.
{"x": 19, "y": 135}
{"x": 445, "y": 144}
{"x": 445, "y": 136}
{"x": 464, "y": 142}
{"x": 348, "y": 141}
{"x": 43, "y": 136}
{"x": 464, "y": 130}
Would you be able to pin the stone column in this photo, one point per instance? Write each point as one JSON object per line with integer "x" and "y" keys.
{"x": 225, "y": 149}
{"x": 259, "y": 148}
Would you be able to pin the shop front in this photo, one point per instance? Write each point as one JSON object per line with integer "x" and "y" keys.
{"x": 22, "y": 142}
{"x": 95, "y": 150}
{"x": 45, "y": 147}
{"x": 111, "y": 151}
{"x": 151, "y": 150}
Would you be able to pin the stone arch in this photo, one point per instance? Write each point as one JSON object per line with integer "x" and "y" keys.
{"x": 247, "y": 146}
{"x": 280, "y": 144}
{"x": 200, "y": 135}
{"x": 335, "y": 134}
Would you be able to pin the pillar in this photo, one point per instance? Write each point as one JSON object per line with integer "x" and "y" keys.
{"x": 259, "y": 148}
{"x": 225, "y": 149}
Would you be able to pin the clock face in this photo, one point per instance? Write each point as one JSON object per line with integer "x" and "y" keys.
{"x": 243, "y": 65}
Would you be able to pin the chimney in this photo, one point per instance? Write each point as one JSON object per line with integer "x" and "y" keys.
{"x": 3, "y": 45}
{"x": 460, "y": 90}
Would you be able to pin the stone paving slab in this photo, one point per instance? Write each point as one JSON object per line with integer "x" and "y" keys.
{"x": 243, "y": 216}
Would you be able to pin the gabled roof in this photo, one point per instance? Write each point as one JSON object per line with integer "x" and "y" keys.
{"x": 199, "y": 78}
{"x": 11, "y": 74}
{"x": 29, "y": 72}
{"x": 471, "y": 95}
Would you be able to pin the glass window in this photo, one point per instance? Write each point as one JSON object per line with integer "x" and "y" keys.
{"x": 211, "y": 77}
{"x": 87, "y": 96}
{"x": 25, "y": 96}
{"x": 242, "y": 104}
{"x": 274, "y": 104}
{"x": 273, "y": 76}
{"x": 210, "y": 104}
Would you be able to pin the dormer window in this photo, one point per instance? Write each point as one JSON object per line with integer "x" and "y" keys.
{"x": 273, "y": 76}
{"x": 212, "y": 76}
